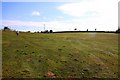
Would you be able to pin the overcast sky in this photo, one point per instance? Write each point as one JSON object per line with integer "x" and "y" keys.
{"x": 58, "y": 16}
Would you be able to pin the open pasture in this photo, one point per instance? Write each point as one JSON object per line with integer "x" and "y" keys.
{"x": 59, "y": 55}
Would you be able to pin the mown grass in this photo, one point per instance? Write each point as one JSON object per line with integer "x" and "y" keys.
{"x": 60, "y": 55}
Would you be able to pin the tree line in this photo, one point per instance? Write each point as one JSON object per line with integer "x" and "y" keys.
{"x": 51, "y": 31}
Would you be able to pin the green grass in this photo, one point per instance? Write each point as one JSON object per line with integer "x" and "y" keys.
{"x": 64, "y": 55}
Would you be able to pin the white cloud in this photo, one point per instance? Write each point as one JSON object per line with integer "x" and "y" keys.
{"x": 93, "y": 7}
{"x": 73, "y": 9}
{"x": 102, "y": 14}
{"x": 36, "y": 13}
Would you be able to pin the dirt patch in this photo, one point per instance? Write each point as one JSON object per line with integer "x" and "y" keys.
{"x": 50, "y": 74}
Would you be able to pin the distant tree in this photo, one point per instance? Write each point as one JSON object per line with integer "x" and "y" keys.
{"x": 87, "y": 29}
{"x": 28, "y": 31}
{"x": 51, "y": 31}
{"x": 46, "y": 31}
{"x": 118, "y": 31}
{"x": 95, "y": 29}
{"x": 75, "y": 29}
{"x": 6, "y": 28}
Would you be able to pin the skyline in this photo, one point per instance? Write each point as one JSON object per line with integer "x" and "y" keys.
{"x": 61, "y": 16}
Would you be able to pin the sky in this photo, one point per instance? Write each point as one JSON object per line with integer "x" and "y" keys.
{"x": 61, "y": 16}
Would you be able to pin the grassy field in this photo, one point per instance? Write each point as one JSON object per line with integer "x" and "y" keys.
{"x": 60, "y": 55}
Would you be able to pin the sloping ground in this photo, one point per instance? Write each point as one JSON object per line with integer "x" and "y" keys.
{"x": 60, "y": 55}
